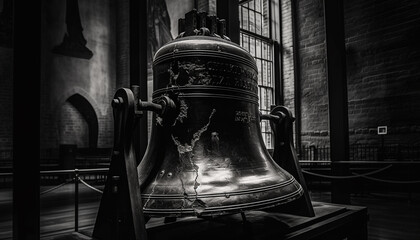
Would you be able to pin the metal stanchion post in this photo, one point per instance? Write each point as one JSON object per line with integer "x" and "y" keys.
{"x": 76, "y": 200}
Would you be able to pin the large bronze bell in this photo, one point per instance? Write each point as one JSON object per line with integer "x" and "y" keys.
{"x": 206, "y": 155}
{"x": 209, "y": 157}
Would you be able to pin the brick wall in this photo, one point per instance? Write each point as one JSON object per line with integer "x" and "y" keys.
{"x": 383, "y": 56}
{"x": 313, "y": 89}
{"x": 287, "y": 55}
{"x": 287, "y": 58}
{"x": 73, "y": 127}
{"x": 383, "y": 73}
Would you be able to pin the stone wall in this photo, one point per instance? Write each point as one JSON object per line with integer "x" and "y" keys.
{"x": 68, "y": 72}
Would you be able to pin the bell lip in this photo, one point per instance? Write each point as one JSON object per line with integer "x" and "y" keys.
{"x": 234, "y": 193}
{"x": 227, "y": 209}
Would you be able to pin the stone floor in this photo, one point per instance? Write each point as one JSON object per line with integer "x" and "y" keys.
{"x": 392, "y": 215}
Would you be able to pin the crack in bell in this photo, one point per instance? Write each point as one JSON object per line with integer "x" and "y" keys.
{"x": 185, "y": 152}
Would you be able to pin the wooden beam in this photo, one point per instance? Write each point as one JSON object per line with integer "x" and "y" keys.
{"x": 26, "y": 119}
{"x": 138, "y": 66}
{"x": 229, "y": 10}
{"x": 296, "y": 75}
{"x": 337, "y": 96}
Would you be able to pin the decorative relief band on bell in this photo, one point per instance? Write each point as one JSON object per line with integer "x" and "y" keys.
{"x": 208, "y": 92}
{"x": 210, "y": 73}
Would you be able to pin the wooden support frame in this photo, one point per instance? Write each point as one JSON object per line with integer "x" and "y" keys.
{"x": 120, "y": 214}
{"x": 281, "y": 121}
{"x": 337, "y": 96}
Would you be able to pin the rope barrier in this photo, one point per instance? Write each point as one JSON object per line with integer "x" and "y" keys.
{"x": 347, "y": 177}
{"x": 58, "y": 186}
{"x": 366, "y": 175}
{"x": 89, "y": 186}
{"x": 389, "y": 181}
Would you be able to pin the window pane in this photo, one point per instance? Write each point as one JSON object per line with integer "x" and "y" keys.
{"x": 251, "y": 5}
{"x": 268, "y": 141}
{"x": 266, "y": 133}
{"x": 265, "y": 73}
{"x": 264, "y": 50}
{"x": 269, "y": 98}
{"x": 251, "y": 21}
{"x": 266, "y": 19}
{"x": 263, "y": 98}
{"x": 258, "y": 23}
{"x": 259, "y": 63}
{"x": 241, "y": 18}
{"x": 258, "y": 48}
{"x": 245, "y": 19}
{"x": 258, "y": 5}
{"x": 252, "y": 46}
{"x": 246, "y": 42}
{"x": 264, "y": 126}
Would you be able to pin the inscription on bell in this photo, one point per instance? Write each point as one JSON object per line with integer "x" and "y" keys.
{"x": 244, "y": 117}
{"x": 231, "y": 69}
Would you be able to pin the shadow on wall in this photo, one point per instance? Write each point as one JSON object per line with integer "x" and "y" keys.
{"x": 74, "y": 43}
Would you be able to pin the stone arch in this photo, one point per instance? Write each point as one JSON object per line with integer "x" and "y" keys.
{"x": 78, "y": 101}
{"x": 89, "y": 114}
{"x": 63, "y": 99}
